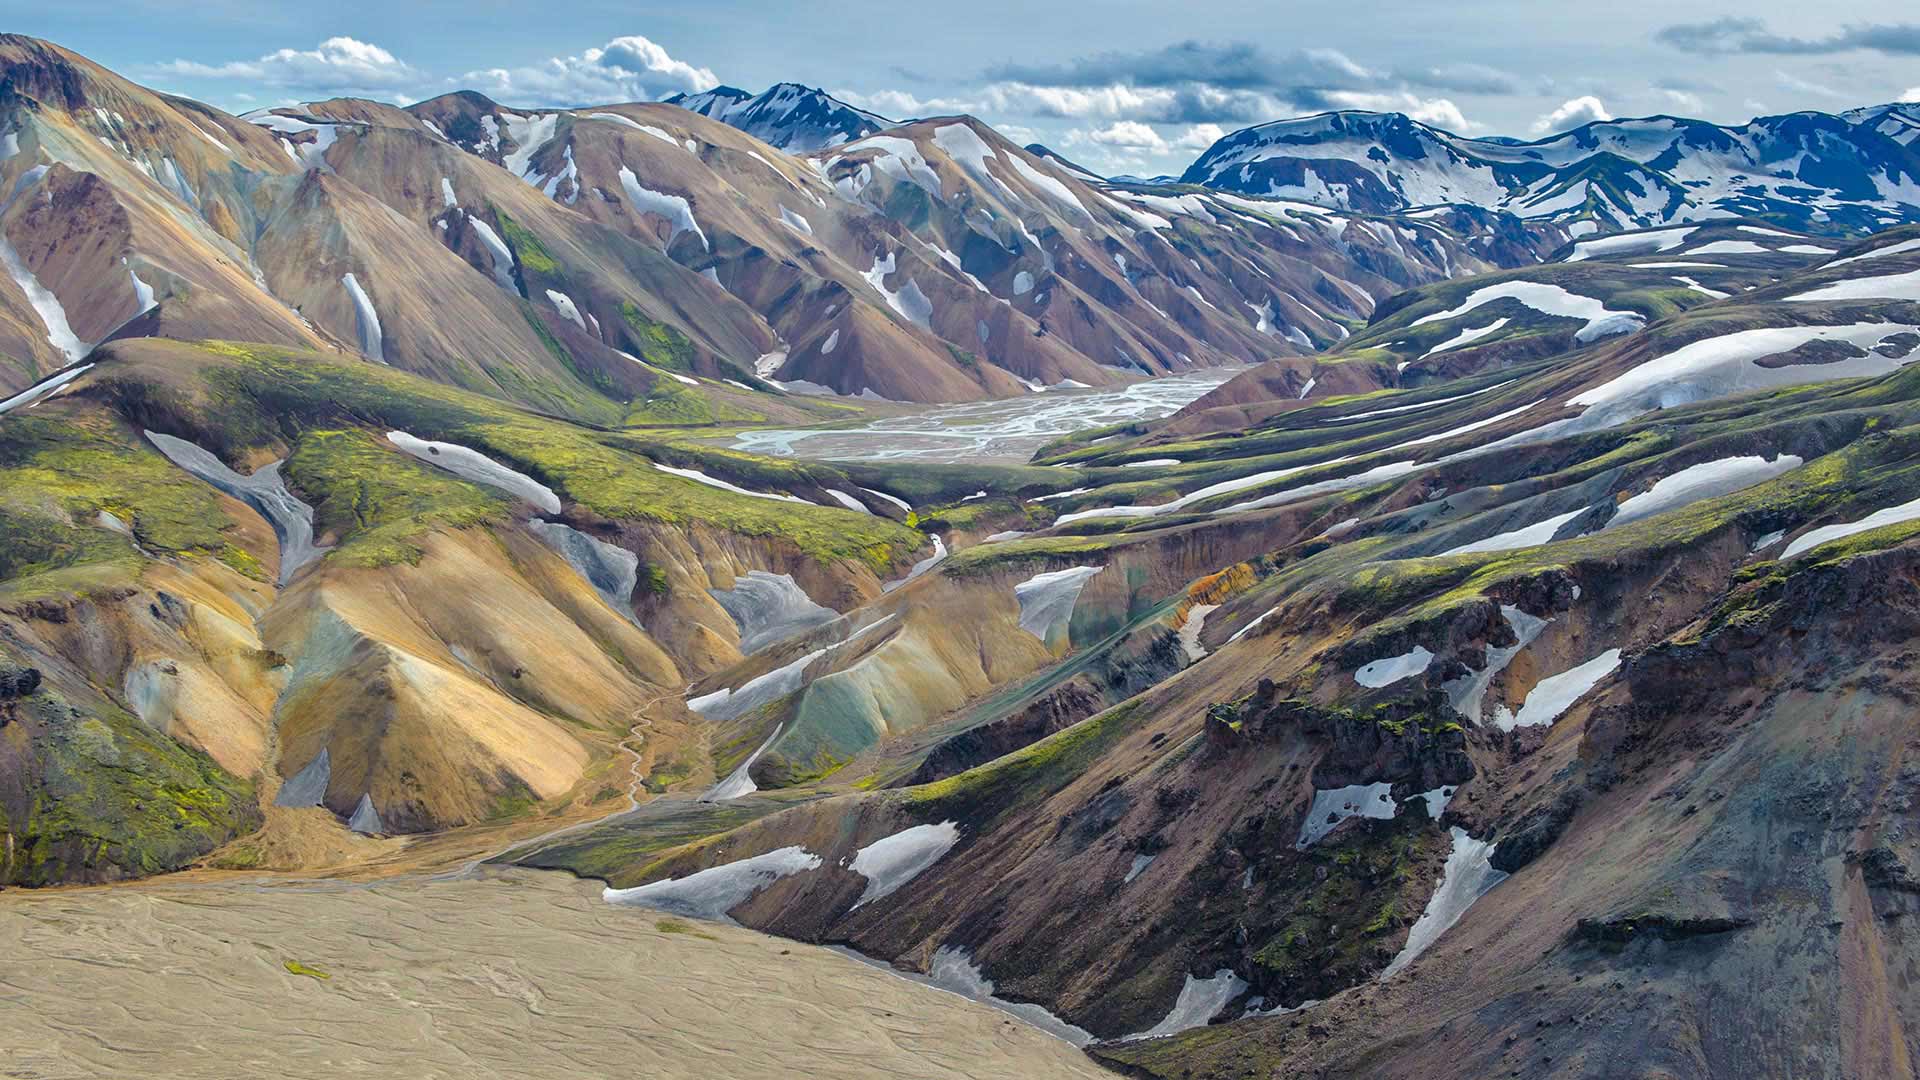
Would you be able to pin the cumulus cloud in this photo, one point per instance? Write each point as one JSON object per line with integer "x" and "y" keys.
{"x": 1193, "y": 103}
{"x": 1193, "y": 82}
{"x": 1129, "y": 135}
{"x": 1129, "y": 142}
{"x": 1571, "y": 114}
{"x": 901, "y": 103}
{"x": 339, "y": 66}
{"x": 1685, "y": 99}
{"x": 1911, "y": 96}
{"x": 631, "y": 68}
{"x": 1439, "y": 112}
{"x": 1740, "y": 34}
{"x": 1199, "y": 137}
{"x": 1189, "y": 82}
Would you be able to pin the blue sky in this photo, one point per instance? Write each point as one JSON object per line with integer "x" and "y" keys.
{"x": 1124, "y": 87}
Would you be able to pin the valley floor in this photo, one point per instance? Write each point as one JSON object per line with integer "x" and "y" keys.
{"x": 1005, "y": 431}
{"x": 512, "y": 974}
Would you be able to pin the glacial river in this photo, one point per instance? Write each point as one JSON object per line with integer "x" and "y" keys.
{"x": 1007, "y": 431}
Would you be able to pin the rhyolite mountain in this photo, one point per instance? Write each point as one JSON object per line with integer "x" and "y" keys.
{"x": 563, "y": 259}
{"x": 1854, "y": 171}
{"x": 1509, "y": 672}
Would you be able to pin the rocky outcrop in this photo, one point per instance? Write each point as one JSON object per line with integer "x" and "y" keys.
{"x": 1417, "y": 743}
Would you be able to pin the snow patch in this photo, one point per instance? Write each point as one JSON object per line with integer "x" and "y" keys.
{"x": 1468, "y": 876}
{"x": 366, "y": 319}
{"x": 711, "y": 893}
{"x": 769, "y": 608}
{"x": 711, "y": 481}
{"x": 673, "y": 208}
{"x": 1892, "y": 515}
{"x": 472, "y": 465}
{"x": 1331, "y": 806}
{"x": 1200, "y": 1001}
{"x": 1392, "y": 669}
{"x": 891, "y": 862}
{"x": 1047, "y": 601}
{"x": 1555, "y": 694}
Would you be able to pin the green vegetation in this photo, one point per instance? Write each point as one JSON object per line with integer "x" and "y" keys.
{"x": 671, "y": 403}
{"x": 656, "y": 342}
{"x": 527, "y": 249}
{"x": 58, "y": 475}
{"x": 259, "y": 396}
{"x": 380, "y": 502}
{"x": 988, "y": 792}
{"x": 675, "y": 926}
{"x": 103, "y": 796}
{"x": 1340, "y": 906}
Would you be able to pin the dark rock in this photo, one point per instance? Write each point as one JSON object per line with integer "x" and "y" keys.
{"x": 18, "y": 681}
{"x": 1622, "y": 929}
{"x": 1534, "y": 833}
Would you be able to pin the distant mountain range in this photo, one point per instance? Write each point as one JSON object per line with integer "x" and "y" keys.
{"x": 1855, "y": 171}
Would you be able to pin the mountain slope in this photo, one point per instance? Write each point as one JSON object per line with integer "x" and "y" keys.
{"x": 1856, "y": 171}
{"x": 1306, "y": 670}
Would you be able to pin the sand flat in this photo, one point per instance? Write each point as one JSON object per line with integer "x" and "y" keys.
{"x": 517, "y": 974}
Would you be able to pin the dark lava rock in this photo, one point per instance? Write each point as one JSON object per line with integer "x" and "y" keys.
{"x": 18, "y": 681}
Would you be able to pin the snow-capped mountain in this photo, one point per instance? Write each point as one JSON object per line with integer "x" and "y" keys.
{"x": 1858, "y": 170}
{"x": 792, "y": 117}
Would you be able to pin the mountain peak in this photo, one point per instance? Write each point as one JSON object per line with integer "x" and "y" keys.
{"x": 790, "y": 115}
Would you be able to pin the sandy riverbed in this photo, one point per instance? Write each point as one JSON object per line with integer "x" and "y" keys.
{"x": 515, "y": 974}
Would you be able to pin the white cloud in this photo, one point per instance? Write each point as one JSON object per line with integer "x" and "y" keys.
{"x": 1799, "y": 85}
{"x": 1571, "y": 114}
{"x": 1910, "y": 96}
{"x": 338, "y": 66}
{"x": 899, "y": 104}
{"x": 1187, "y": 103}
{"x": 1129, "y": 135}
{"x": 1069, "y": 101}
{"x": 1199, "y": 137}
{"x": 1440, "y": 112}
{"x": 630, "y": 68}
{"x": 1686, "y": 100}
{"x": 1131, "y": 144}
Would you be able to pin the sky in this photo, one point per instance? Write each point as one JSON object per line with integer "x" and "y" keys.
{"x": 1121, "y": 87}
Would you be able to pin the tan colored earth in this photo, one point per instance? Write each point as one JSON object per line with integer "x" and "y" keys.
{"x": 515, "y": 974}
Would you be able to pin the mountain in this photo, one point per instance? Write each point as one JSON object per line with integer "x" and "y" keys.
{"x": 565, "y": 259}
{"x": 1594, "y": 289}
{"x": 1857, "y": 171}
{"x": 1377, "y": 735}
{"x": 1509, "y": 670}
{"x": 1078, "y": 170}
{"x": 798, "y": 119}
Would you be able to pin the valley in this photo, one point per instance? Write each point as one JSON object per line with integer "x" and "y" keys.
{"x": 739, "y": 586}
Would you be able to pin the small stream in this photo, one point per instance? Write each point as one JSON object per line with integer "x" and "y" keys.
{"x": 1006, "y": 431}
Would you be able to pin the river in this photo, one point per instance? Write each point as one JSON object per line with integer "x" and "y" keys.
{"x": 1006, "y": 431}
